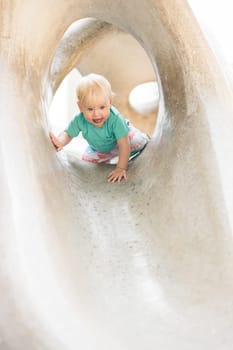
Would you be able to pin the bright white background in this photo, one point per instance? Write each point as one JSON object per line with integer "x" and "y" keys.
{"x": 217, "y": 17}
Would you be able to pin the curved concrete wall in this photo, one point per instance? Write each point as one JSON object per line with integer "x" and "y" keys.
{"x": 143, "y": 264}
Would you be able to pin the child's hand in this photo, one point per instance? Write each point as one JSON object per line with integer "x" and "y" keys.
{"x": 56, "y": 142}
{"x": 117, "y": 175}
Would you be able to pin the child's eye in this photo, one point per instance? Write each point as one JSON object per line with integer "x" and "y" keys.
{"x": 90, "y": 109}
{"x": 102, "y": 107}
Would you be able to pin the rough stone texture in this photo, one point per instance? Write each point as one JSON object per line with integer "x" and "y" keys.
{"x": 145, "y": 264}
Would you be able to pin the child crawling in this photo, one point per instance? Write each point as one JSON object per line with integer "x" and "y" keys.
{"x": 107, "y": 132}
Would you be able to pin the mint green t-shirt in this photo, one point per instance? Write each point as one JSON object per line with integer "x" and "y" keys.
{"x": 102, "y": 139}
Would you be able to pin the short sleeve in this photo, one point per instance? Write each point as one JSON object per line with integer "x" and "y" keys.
{"x": 73, "y": 128}
{"x": 121, "y": 128}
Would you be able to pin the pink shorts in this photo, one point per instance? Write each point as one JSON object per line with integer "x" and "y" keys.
{"x": 137, "y": 139}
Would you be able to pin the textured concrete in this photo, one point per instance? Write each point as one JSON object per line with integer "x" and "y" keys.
{"x": 145, "y": 264}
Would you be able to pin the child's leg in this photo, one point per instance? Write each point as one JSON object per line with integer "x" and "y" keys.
{"x": 93, "y": 156}
{"x": 138, "y": 139}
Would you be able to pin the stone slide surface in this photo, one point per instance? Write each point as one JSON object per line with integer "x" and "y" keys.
{"x": 144, "y": 264}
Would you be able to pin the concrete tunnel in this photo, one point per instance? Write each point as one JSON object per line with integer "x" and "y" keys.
{"x": 144, "y": 264}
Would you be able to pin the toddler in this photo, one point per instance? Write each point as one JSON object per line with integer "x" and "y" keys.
{"x": 106, "y": 131}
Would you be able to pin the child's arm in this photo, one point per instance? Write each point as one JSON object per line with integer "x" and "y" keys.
{"x": 119, "y": 172}
{"x": 61, "y": 140}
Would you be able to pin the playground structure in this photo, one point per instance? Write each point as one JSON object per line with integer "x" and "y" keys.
{"x": 144, "y": 264}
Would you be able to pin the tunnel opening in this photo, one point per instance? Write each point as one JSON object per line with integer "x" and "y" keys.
{"x": 93, "y": 46}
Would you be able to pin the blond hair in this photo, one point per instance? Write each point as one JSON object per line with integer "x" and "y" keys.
{"x": 92, "y": 86}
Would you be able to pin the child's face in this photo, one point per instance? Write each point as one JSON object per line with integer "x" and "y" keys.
{"x": 97, "y": 110}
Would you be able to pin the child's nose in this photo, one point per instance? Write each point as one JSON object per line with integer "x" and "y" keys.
{"x": 96, "y": 111}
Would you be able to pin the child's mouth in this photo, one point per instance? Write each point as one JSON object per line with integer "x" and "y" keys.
{"x": 98, "y": 120}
